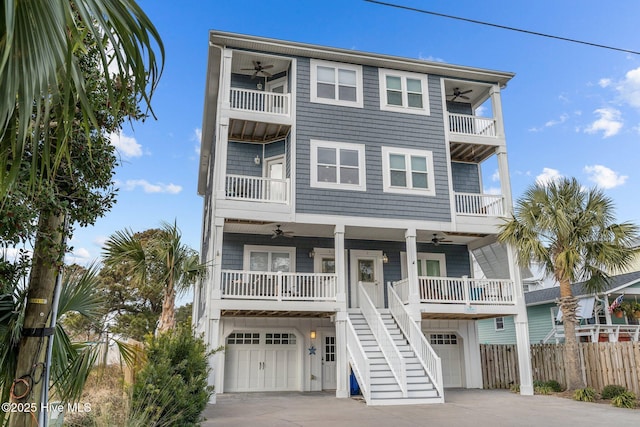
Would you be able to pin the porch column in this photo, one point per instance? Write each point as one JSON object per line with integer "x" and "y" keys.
{"x": 521, "y": 327}
{"x": 505, "y": 183}
{"x": 342, "y": 367}
{"x": 496, "y": 107}
{"x": 216, "y": 267}
{"x": 216, "y": 360}
{"x": 341, "y": 266}
{"x": 607, "y": 316}
{"x": 220, "y": 160}
{"x": 412, "y": 274}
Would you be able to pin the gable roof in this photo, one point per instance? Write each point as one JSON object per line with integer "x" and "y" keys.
{"x": 548, "y": 295}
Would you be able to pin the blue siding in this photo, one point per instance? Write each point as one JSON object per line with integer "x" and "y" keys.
{"x": 374, "y": 128}
{"x": 465, "y": 177}
{"x": 240, "y": 159}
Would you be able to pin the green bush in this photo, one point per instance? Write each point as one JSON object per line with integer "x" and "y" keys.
{"x": 172, "y": 388}
{"x": 612, "y": 390}
{"x": 626, "y": 399}
{"x": 554, "y": 386}
{"x": 542, "y": 389}
{"x": 515, "y": 388}
{"x": 587, "y": 394}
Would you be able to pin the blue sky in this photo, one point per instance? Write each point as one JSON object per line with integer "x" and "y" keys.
{"x": 571, "y": 110}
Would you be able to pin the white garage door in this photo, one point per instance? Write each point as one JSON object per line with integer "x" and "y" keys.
{"x": 261, "y": 361}
{"x": 448, "y": 348}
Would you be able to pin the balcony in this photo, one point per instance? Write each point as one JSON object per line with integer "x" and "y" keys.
{"x": 465, "y": 124}
{"x": 257, "y": 189}
{"x": 260, "y": 102}
{"x": 278, "y": 286}
{"x": 482, "y": 205}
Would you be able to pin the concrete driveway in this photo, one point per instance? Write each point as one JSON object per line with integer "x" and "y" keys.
{"x": 476, "y": 408}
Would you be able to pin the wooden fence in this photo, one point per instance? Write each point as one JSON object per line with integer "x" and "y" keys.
{"x": 602, "y": 364}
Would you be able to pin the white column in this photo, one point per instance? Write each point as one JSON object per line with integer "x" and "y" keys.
{"x": 216, "y": 268}
{"x": 342, "y": 367}
{"x": 496, "y": 107}
{"x": 521, "y": 327}
{"x": 341, "y": 266}
{"x": 412, "y": 274}
{"x": 216, "y": 361}
{"x": 505, "y": 183}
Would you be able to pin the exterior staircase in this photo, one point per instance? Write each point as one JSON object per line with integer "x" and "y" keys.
{"x": 384, "y": 388}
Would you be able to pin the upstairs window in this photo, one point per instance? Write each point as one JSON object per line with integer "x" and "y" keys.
{"x": 335, "y": 83}
{"x": 499, "y": 321}
{"x": 407, "y": 171}
{"x": 337, "y": 165}
{"x": 404, "y": 92}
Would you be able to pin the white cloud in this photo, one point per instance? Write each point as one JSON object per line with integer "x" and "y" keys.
{"x": 604, "y": 82}
{"x": 492, "y": 190}
{"x": 79, "y": 256}
{"x": 609, "y": 122}
{"x": 197, "y": 137}
{"x": 605, "y": 177}
{"x": 495, "y": 176}
{"x": 548, "y": 175}
{"x": 629, "y": 88}
{"x": 126, "y": 145}
{"x": 100, "y": 241}
{"x": 132, "y": 184}
{"x": 563, "y": 118}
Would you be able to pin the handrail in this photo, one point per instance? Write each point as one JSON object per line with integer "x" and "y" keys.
{"x": 383, "y": 337}
{"x": 402, "y": 288}
{"x": 359, "y": 361}
{"x": 427, "y": 356}
{"x": 259, "y": 101}
{"x": 479, "y": 204}
{"x": 466, "y": 290}
{"x": 256, "y": 188}
{"x": 472, "y": 125}
{"x": 279, "y": 286}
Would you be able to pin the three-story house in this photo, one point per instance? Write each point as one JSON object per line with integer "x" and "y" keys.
{"x": 343, "y": 203}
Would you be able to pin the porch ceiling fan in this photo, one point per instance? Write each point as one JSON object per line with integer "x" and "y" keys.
{"x": 437, "y": 240}
{"x": 259, "y": 69}
{"x": 458, "y": 94}
{"x": 279, "y": 232}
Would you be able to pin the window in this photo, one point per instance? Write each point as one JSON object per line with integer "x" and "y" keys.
{"x": 337, "y": 165}
{"x": 404, "y": 92}
{"x": 243, "y": 338}
{"x": 499, "y": 323}
{"x": 335, "y": 83}
{"x": 269, "y": 258}
{"x": 432, "y": 265}
{"x": 280, "y": 339}
{"x": 408, "y": 171}
{"x": 443, "y": 339}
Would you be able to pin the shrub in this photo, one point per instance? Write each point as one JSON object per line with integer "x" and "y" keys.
{"x": 587, "y": 394}
{"x": 515, "y": 388}
{"x": 554, "y": 386}
{"x": 172, "y": 388}
{"x": 612, "y": 390}
{"x": 626, "y": 399}
{"x": 542, "y": 389}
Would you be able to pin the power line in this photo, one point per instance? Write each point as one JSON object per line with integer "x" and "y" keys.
{"x": 504, "y": 27}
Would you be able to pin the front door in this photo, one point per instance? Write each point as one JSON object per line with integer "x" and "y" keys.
{"x": 366, "y": 268}
{"x": 329, "y": 361}
{"x": 275, "y": 171}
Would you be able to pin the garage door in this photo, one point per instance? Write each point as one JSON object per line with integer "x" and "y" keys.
{"x": 261, "y": 361}
{"x": 448, "y": 348}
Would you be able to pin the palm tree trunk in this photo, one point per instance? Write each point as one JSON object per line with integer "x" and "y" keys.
{"x": 168, "y": 315}
{"x": 47, "y": 256}
{"x": 568, "y": 303}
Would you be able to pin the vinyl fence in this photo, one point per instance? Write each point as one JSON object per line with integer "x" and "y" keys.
{"x": 602, "y": 364}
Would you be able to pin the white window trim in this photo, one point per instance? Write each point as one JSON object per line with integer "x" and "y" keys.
{"x": 362, "y": 172}
{"x": 441, "y": 258}
{"x": 386, "y": 172}
{"x": 336, "y": 65}
{"x": 404, "y": 108}
{"x": 246, "y": 262}
{"x": 495, "y": 323}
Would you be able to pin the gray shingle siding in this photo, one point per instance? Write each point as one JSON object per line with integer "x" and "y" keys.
{"x": 373, "y": 128}
{"x": 465, "y": 177}
{"x": 240, "y": 159}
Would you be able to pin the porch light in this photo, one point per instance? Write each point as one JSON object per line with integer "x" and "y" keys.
{"x": 313, "y": 335}
{"x": 256, "y": 160}
{"x": 312, "y": 253}
{"x": 385, "y": 258}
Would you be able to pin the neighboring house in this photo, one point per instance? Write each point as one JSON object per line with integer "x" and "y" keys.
{"x": 597, "y": 324}
{"x": 342, "y": 200}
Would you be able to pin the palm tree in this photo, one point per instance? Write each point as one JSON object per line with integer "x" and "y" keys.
{"x": 162, "y": 258}
{"x": 571, "y": 231}
{"x": 40, "y": 47}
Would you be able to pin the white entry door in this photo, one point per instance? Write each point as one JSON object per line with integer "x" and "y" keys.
{"x": 261, "y": 361}
{"x": 366, "y": 267}
{"x": 274, "y": 170}
{"x": 329, "y": 362}
{"x": 447, "y": 346}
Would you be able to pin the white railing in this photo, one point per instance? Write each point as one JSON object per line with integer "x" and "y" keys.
{"x": 402, "y": 289}
{"x": 479, "y": 204}
{"x": 359, "y": 361}
{"x": 464, "y": 290}
{"x": 278, "y": 286}
{"x": 429, "y": 360}
{"x": 257, "y": 189}
{"x": 472, "y": 125}
{"x": 626, "y": 331}
{"x": 385, "y": 341}
{"x": 259, "y": 101}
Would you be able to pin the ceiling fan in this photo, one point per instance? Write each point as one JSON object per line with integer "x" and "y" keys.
{"x": 258, "y": 68}
{"x": 458, "y": 94}
{"x": 437, "y": 240}
{"x": 279, "y": 232}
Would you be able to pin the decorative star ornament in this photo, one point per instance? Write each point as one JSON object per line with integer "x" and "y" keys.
{"x": 312, "y": 350}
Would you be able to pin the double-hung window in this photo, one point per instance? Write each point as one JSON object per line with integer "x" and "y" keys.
{"x": 337, "y": 165}
{"x": 408, "y": 171}
{"x": 405, "y": 92}
{"x": 336, "y": 83}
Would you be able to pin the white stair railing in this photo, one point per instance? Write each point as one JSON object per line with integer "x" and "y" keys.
{"x": 359, "y": 361}
{"x": 383, "y": 337}
{"x": 427, "y": 356}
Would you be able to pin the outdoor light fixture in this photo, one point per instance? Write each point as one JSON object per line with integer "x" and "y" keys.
{"x": 313, "y": 335}
{"x": 256, "y": 160}
{"x": 385, "y": 258}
